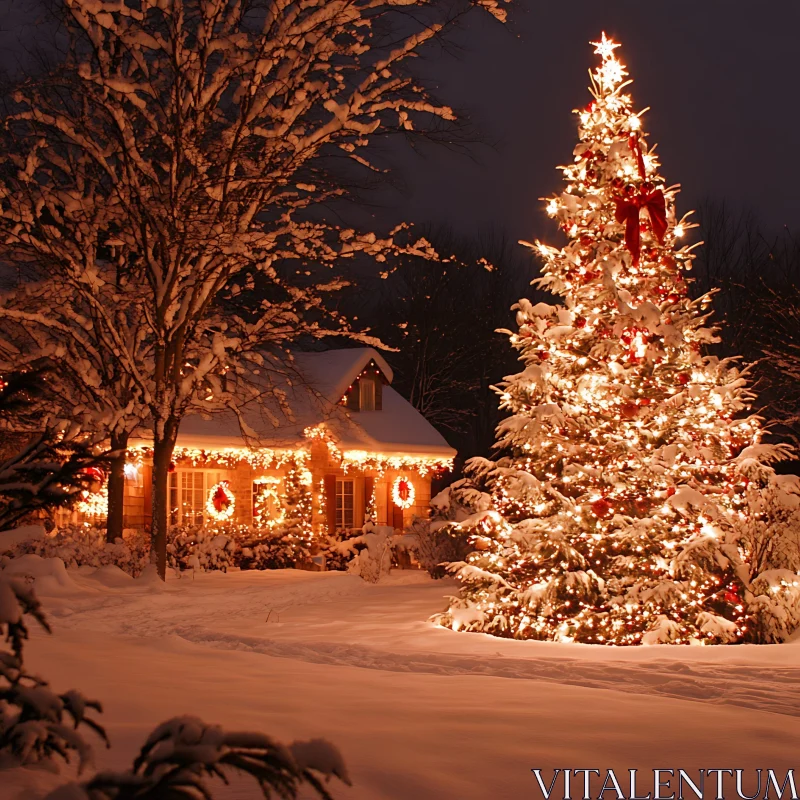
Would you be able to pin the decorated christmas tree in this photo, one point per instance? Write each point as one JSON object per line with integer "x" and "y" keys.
{"x": 625, "y": 507}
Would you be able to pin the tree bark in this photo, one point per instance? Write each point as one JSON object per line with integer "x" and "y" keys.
{"x": 116, "y": 489}
{"x": 163, "y": 447}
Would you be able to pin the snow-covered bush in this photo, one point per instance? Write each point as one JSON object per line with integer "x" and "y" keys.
{"x": 223, "y": 547}
{"x": 82, "y": 545}
{"x": 181, "y": 754}
{"x": 459, "y": 501}
{"x": 372, "y": 551}
{"x": 36, "y": 724}
{"x": 435, "y": 544}
{"x": 769, "y": 545}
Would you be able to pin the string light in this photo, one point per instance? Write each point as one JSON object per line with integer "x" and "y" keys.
{"x": 615, "y": 514}
{"x": 221, "y": 502}
{"x": 403, "y": 492}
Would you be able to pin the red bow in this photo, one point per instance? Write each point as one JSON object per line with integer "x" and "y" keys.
{"x": 628, "y": 210}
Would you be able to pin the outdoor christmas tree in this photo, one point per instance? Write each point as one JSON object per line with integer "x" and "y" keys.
{"x": 623, "y": 509}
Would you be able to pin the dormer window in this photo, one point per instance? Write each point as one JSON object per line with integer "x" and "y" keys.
{"x": 366, "y": 394}
{"x": 366, "y": 391}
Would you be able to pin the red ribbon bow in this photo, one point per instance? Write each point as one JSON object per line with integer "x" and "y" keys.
{"x": 629, "y": 208}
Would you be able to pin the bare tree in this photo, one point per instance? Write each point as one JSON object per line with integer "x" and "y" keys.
{"x": 443, "y": 318}
{"x": 211, "y": 135}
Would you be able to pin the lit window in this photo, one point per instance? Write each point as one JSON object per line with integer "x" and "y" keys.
{"x": 344, "y": 504}
{"x": 366, "y": 394}
{"x": 188, "y": 491}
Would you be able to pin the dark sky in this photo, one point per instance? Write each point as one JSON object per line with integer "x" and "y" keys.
{"x": 722, "y": 80}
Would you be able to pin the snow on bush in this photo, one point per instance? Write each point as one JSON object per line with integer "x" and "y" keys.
{"x": 181, "y": 754}
{"x": 224, "y": 547}
{"x": 36, "y": 724}
{"x": 81, "y": 545}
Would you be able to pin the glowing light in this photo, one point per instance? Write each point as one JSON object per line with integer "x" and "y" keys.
{"x": 605, "y": 47}
{"x": 403, "y": 492}
{"x": 221, "y": 502}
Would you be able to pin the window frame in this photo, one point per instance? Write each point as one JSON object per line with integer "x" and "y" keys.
{"x": 177, "y": 491}
{"x": 367, "y": 394}
{"x": 341, "y": 503}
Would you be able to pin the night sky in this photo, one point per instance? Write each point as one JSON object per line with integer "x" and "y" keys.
{"x": 721, "y": 79}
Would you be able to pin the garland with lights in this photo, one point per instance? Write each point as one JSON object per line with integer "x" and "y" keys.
{"x": 403, "y": 492}
{"x": 221, "y": 502}
{"x": 256, "y": 457}
{"x": 268, "y": 512}
{"x": 619, "y": 506}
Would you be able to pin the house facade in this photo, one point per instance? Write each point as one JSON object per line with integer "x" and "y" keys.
{"x": 355, "y": 448}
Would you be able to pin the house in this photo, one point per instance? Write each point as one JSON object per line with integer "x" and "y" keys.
{"x": 354, "y": 448}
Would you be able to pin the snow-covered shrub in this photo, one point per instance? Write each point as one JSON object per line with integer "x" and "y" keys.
{"x": 337, "y": 550}
{"x": 82, "y": 545}
{"x": 200, "y": 548}
{"x": 460, "y": 500}
{"x": 223, "y": 547}
{"x": 435, "y": 544}
{"x": 769, "y": 542}
{"x": 182, "y": 754}
{"x": 36, "y": 724}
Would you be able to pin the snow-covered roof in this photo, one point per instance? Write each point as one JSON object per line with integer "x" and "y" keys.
{"x": 324, "y": 378}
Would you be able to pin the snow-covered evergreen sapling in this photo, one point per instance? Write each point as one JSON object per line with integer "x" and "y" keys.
{"x": 183, "y": 754}
{"x": 36, "y": 724}
{"x": 45, "y": 460}
{"x": 623, "y": 510}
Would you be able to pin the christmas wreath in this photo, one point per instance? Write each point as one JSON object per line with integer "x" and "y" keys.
{"x": 403, "y": 492}
{"x": 221, "y": 501}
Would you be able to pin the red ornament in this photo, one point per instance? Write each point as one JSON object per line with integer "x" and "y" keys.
{"x": 580, "y": 322}
{"x": 673, "y": 298}
{"x": 544, "y": 354}
{"x": 591, "y": 174}
{"x": 732, "y": 597}
{"x": 671, "y": 491}
{"x": 683, "y": 378}
{"x": 601, "y": 508}
{"x": 629, "y": 410}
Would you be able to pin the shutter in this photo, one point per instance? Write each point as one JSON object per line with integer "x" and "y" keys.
{"x": 330, "y": 503}
{"x": 379, "y": 392}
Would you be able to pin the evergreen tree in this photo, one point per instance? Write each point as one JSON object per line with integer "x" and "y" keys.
{"x": 620, "y": 509}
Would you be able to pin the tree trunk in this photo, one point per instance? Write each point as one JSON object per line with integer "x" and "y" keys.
{"x": 116, "y": 489}
{"x": 163, "y": 447}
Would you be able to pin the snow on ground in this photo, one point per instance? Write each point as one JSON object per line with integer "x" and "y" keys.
{"x": 418, "y": 712}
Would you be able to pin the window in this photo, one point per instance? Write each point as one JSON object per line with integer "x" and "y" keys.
{"x": 366, "y": 394}
{"x": 344, "y": 504}
{"x": 188, "y": 492}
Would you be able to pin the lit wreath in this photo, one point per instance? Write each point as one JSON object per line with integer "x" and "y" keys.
{"x": 403, "y": 492}
{"x": 221, "y": 502}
